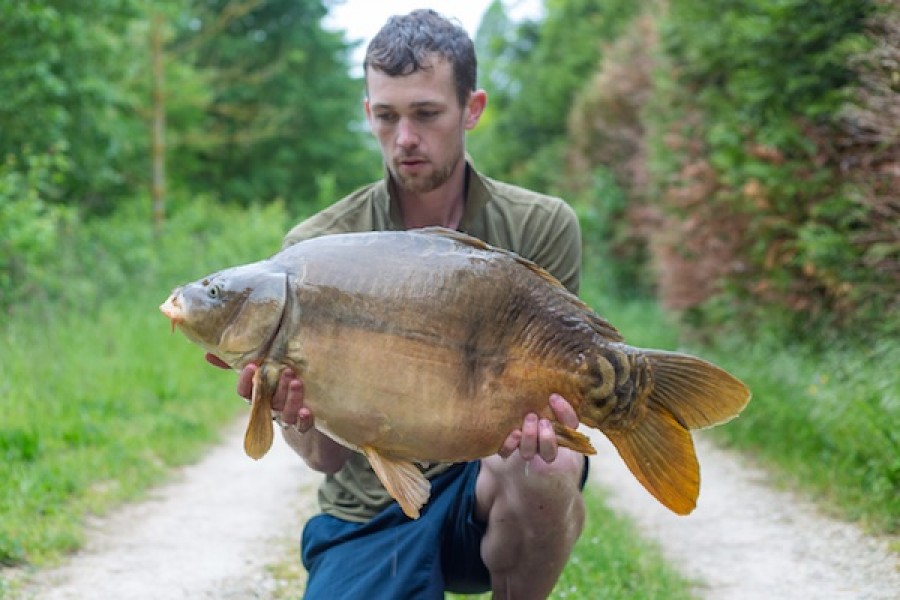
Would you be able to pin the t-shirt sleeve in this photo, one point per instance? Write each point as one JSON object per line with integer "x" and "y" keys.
{"x": 557, "y": 246}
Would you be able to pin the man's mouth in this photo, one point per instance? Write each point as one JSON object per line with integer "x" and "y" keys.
{"x": 412, "y": 162}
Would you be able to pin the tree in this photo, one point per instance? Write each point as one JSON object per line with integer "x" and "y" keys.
{"x": 541, "y": 67}
{"x": 279, "y": 118}
{"x": 62, "y": 62}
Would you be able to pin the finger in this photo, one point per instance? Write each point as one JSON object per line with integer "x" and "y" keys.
{"x": 528, "y": 444}
{"x": 563, "y": 411}
{"x": 547, "y": 445}
{"x": 510, "y": 444}
{"x": 245, "y": 381}
{"x": 304, "y": 420}
{"x": 293, "y": 402}
{"x": 279, "y": 399}
{"x": 216, "y": 361}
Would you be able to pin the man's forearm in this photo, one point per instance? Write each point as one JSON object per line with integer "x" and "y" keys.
{"x": 318, "y": 450}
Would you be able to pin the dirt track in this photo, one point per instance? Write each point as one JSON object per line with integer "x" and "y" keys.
{"x": 746, "y": 541}
{"x": 212, "y": 531}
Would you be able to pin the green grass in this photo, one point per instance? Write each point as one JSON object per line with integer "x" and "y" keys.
{"x": 612, "y": 561}
{"x": 828, "y": 421}
{"x": 98, "y": 400}
{"x": 94, "y": 410}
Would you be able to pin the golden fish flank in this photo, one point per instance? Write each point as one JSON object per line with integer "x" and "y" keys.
{"x": 430, "y": 346}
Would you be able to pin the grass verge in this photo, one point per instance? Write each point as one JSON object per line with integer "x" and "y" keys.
{"x": 97, "y": 409}
{"x": 828, "y": 421}
{"x": 98, "y": 401}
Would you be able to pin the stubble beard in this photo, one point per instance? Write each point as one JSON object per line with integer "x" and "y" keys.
{"x": 422, "y": 184}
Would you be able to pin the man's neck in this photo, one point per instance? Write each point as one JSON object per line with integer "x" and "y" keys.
{"x": 441, "y": 207}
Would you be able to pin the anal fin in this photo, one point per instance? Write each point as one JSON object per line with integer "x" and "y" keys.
{"x": 402, "y": 480}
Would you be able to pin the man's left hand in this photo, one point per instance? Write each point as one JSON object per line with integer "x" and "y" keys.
{"x": 536, "y": 437}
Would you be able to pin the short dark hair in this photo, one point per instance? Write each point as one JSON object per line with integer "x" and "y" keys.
{"x": 402, "y": 47}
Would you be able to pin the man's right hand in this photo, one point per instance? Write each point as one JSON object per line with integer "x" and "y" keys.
{"x": 288, "y": 399}
{"x": 318, "y": 450}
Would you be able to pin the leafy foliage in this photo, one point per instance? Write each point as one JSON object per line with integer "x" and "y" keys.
{"x": 607, "y": 158}
{"x": 63, "y": 64}
{"x": 257, "y": 96}
{"x": 278, "y": 116}
{"x": 538, "y": 68}
{"x": 29, "y": 224}
{"x": 745, "y": 157}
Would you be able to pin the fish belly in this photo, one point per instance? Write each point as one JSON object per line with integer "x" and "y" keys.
{"x": 415, "y": 398}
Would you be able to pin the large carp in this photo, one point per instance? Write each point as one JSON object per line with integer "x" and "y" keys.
{"x": 431, "y": 346}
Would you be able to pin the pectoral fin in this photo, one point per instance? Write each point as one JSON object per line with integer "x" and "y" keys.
{"x": 259, "y": 436}
{"x": 402, "y": 480}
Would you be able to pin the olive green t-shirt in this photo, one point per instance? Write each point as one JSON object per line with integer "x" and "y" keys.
{"x": 540, "y": 228}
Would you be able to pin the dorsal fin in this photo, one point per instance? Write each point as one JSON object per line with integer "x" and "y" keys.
{"x": 603, "y": 327}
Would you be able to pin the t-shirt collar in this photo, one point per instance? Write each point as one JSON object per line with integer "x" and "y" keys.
{"x": 477, "y": 196}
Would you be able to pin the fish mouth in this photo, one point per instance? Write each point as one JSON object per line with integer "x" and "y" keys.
{"x": 172, "y": 309}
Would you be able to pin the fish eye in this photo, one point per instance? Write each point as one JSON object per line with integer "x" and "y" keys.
{"x": 214, "y": 290}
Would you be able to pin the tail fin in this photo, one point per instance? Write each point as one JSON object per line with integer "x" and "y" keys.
{"x": 681, "y": 393}
{"x": 697, "y": 392}
{"x": 660, "y": 454}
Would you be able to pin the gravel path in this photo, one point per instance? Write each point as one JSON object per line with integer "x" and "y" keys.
{"x": 208, "y": 534}
{"x": 746, "y": 541}
{"x": 217, "y": 528}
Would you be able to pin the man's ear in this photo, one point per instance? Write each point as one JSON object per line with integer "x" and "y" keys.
{"x": 368, "y": 110}
{"x": 475, "y": 107}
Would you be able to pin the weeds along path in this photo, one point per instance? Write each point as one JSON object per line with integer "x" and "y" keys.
{"x": 217, "y": 530}
{"x": 210, "y": 534}
{"x": 747, "y": 541}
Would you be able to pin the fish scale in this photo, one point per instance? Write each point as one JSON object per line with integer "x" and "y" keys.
{"x": 431, "y": 346}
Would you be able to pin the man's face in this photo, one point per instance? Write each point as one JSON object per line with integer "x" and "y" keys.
{"x": 419, "y": 124}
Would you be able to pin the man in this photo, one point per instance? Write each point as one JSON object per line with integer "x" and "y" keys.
{"x": 506, "y": 523}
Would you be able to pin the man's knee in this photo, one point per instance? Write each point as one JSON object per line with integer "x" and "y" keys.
{"x": 534, "y": 515}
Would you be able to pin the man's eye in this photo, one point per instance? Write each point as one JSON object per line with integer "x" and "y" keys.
{"x": 386, "y": 117}
{"x": 427, "y": 115}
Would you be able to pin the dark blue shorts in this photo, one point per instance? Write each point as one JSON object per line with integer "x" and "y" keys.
{"x": 392, "y": 557}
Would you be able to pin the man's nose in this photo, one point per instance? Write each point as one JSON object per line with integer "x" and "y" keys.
{"x": 407, "y": 137}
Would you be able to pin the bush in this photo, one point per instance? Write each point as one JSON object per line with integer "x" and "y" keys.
{"x": 745, "y": 168}
{"x": 29, "y": 224}
{"x": 80, "y": 264}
